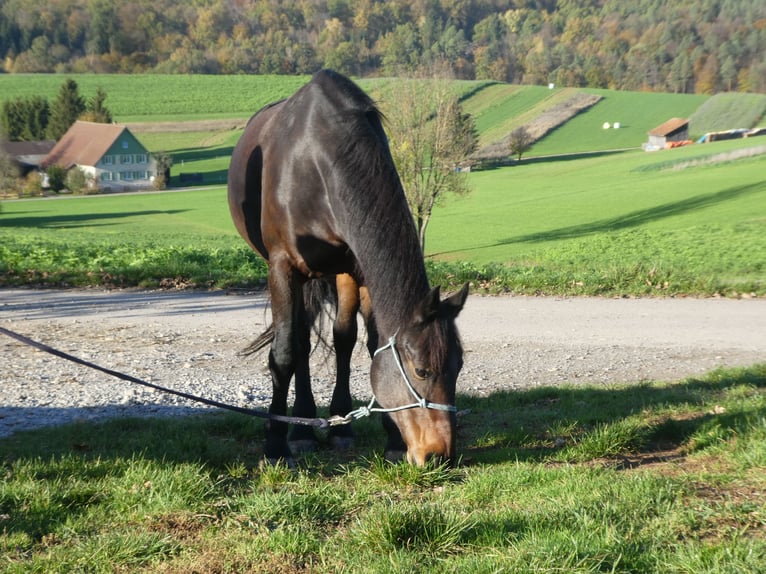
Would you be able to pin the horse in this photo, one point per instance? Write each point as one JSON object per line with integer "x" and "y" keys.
{"x": 313, "y": 189}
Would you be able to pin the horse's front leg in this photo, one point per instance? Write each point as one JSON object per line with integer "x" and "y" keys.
{"x": 285, "y": 310}
{"x": 344, "y": 339}
{"x": 302, "y": 438}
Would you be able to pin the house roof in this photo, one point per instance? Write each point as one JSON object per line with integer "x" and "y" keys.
{"x": 27, "y": 153}
{"x": 85, "y": 143}
{"x": 670, "y": 127}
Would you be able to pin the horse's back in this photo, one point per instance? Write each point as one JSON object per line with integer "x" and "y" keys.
{"x": 280, "y": 169}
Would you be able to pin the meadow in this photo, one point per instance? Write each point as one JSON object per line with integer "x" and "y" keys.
{"x": 154, "y": 97}
{"x": 607, "y": 224}
{"x": 656, "y": 477}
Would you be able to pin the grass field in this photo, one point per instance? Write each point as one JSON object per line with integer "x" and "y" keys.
{"x": 570, "y": 218}
{"x": 151, "y": 97}
{"x": 604, "y": 220}
{"x": 618, "y": 224}
{"x": 659, "y": 477}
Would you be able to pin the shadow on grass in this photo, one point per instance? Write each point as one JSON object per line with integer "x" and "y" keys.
{"x": 626, "y": 221}
{"x": 642, "y": 216}
{"x": 505, "y": 427}
{"x": 547, "y": 423}
{"x": 199, "y": 154}
{"x": 69, "y": 221}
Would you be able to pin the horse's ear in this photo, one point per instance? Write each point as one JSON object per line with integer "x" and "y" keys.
{"x": 429, "y": 307}
{"x": 453, "y": 304}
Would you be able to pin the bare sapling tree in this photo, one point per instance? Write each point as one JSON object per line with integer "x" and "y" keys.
{"x": 431, "y": 139}
{"x": 520, "y": 142}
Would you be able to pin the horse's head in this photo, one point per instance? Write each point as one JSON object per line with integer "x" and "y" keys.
{"x": 417, "y": 371}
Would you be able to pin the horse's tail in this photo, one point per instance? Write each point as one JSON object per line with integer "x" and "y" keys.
{"x": 317, "y": 295}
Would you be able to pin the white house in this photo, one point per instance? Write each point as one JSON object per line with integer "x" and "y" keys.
{"x": 109, "y": 154}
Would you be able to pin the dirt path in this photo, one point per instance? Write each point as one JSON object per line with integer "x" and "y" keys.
{"x": 190, "y": 340}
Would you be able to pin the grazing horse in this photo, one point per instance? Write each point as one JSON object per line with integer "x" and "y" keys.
{"x": 313, "y": 189}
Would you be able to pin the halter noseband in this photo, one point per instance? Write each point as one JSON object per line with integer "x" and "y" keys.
{"x": 420, "y": 402}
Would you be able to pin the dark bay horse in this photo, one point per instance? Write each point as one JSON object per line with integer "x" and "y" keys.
{"x": 314, "y": 190}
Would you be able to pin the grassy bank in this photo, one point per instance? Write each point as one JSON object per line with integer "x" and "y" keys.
{"x": 660, "y": 477}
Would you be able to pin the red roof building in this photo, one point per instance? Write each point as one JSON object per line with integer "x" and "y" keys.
{"x": 109, "y": 154}
{"x": 673, "y": 130}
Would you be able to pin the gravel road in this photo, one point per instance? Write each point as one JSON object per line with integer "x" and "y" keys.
{"x": 190, "y": 341}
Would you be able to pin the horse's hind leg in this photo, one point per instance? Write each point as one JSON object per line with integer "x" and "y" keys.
{"x": 344, "y": 340}
{"x": 286, "y": 304}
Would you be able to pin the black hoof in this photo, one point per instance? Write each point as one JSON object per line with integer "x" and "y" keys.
{"x": 288, "y": 462}
{"x": 395, "y": 455}
{"x": 342, "y": 442}
{"x": 304, "y": 446}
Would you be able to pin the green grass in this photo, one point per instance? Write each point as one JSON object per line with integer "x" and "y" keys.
{"x": 637, "y": 113}
{"x": 603, "y": 224}
{"x": 659, "y": 477}
{"x": 728, "y": 111}
{"x": 160, "y": 97}
{"x": 584, "y": 223}
{"x": 617, "y": 224}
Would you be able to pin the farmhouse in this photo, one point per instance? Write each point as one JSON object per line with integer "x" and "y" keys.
{"x": 669, "y": 134}
{"x": 26, "y": 156}
{"x": 108, "y": 154}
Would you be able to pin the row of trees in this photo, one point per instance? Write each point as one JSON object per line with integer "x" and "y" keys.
{"x": 35, "y": 119}
{"x": 682, "y": 46}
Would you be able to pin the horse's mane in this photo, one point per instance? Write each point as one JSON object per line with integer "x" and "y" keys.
{"x": 381, "y": 230}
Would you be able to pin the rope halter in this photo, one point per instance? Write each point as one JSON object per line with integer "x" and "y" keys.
{"x": 420, "y": 402}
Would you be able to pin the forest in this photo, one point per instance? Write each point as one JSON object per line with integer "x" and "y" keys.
{"x": 684, "y": 46}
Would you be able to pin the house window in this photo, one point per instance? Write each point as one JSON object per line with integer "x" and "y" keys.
{"x": 126, "y": 158}
{"x": 126, "y": 175}
{"x": 107, "y": 160}
{"x": 106, "y": 176}
{"x": 140, "y": 158}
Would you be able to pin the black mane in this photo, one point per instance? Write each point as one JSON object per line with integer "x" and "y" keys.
{"x": 379, "y": 223}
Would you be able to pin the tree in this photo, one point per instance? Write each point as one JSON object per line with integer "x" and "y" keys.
{"x": 76, "y": 181}
{"x": 164, "y": 162}
{"x": 56, "y": 177}
{"x": 24, "y": 119}
{"x": 9, "y": 173}
{"x": 96, "y": 110}
{"x": 520, "y": 141}
{"x": 66, "y": 108}
{"x": 430, "y": 138}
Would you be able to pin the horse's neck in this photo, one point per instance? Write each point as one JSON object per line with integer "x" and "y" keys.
{"x": 392, "y": 265}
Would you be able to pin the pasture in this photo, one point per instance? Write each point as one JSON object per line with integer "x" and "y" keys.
{"x": 611, "y": 224}
{"x": 658, "y": 477}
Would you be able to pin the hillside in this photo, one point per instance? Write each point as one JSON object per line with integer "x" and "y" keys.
{"x": 203, "y": 114}
{"x": 710, "y": 46}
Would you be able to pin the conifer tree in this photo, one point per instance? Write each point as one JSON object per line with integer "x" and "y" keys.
{"x": 65, "y": 109}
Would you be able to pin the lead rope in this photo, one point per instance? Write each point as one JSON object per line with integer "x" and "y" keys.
{"x": 313, "y": 422}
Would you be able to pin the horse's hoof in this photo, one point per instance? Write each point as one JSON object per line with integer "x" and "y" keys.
{"x": 288, "y": 462}
{"x": 303, "y": 446}
{"x": 395, "y": 455}
{"x": 342, "y": 442}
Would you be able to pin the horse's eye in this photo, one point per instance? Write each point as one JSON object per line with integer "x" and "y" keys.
{"x": 422, "y": 373}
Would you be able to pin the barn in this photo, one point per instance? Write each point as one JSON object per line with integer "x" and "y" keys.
{"x": 673, "y": 131}
{"x": 26, "y": 156}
